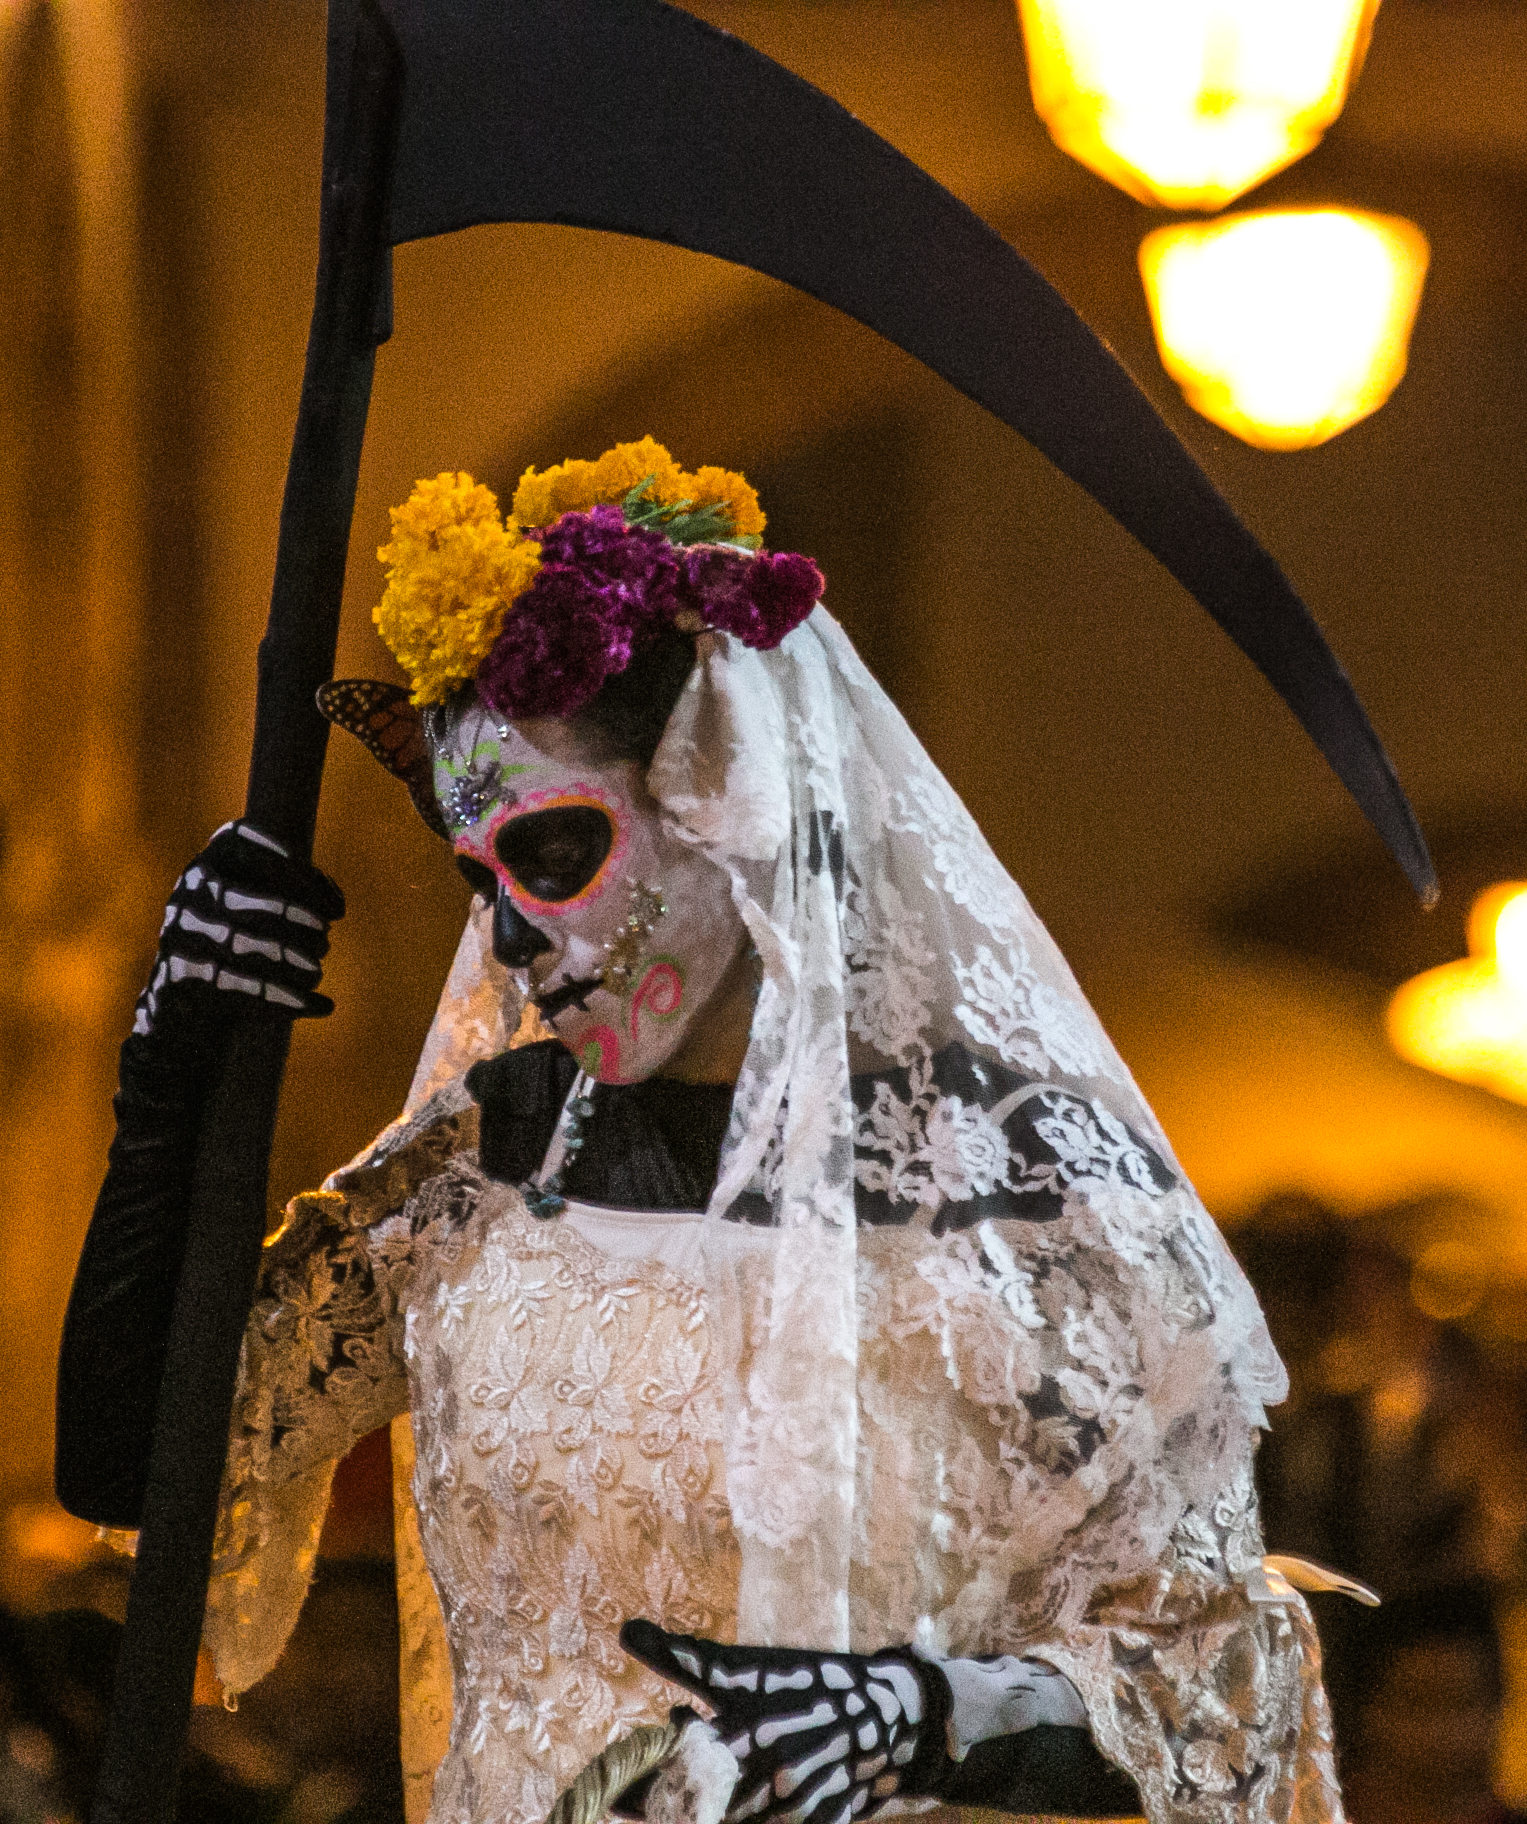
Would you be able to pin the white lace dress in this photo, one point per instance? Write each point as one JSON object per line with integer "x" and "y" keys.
{"x": 567, "y": 1418}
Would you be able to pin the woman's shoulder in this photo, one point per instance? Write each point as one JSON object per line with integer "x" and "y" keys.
{"x": 415, "y": 1148}
{"x": 438, "y": 1139}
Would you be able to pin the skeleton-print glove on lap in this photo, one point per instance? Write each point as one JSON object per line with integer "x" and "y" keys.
{"x": 244, "y": 922}
{"x": 834, "y": 1737}
{"x": 825, "y": 1736}
{"x": 243, "y": 936}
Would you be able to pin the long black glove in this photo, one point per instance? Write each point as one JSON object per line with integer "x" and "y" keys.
{"x": 836, "y": 1736}
{"x": 243, "y": 937}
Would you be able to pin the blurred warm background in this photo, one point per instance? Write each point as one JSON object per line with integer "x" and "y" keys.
{"x": 1234, "y": 922}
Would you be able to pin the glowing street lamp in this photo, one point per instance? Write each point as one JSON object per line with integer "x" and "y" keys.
{"x": 1285, "y": 326}
{"x": 1189, "y": 103}
{"x": 1468, "y": 1019}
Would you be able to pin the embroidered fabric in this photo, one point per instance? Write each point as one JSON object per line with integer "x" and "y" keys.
{"x": 969, "y": 1362}
{"x": 569, "y": 1473}
{"x": 566, "y": 1422}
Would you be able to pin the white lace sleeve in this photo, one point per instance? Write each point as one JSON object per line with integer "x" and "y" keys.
{"x": 322, "y": 1365}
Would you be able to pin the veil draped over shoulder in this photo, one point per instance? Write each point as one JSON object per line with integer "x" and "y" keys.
{"x": 942, "y": 1194}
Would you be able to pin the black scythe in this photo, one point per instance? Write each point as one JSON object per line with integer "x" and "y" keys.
{"x": 630, "y": 116}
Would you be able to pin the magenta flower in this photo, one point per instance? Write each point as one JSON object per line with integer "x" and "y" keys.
{"x": 605, "y": 588}
{"x": 758, "y": 599}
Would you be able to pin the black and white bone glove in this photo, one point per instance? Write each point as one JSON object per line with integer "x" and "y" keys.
{"x": 246, "y": 927}
{"x": 833, "y": 1737}
{"x": 243, "y": 937}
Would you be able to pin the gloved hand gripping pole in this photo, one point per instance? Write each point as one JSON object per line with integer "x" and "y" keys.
{"x": 351, "y": 316}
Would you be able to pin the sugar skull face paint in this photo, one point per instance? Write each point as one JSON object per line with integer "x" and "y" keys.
{"x": 621, "y": 930}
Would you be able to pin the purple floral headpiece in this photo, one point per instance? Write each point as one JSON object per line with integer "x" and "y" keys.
{"x": 605, "y": 588}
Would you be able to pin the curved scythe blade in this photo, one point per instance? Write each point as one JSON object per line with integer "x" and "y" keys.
{"x": 631, "y": 116}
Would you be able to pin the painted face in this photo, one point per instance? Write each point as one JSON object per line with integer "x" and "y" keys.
{"x": 620, "y": 931}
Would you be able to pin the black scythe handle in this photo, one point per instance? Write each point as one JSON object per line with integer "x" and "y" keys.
{"x": 157, "y": 1666}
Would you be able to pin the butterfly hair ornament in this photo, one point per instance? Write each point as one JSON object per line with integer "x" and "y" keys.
{"x": 387, "y": 725}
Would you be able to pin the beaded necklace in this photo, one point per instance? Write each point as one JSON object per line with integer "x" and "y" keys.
{"x": 543, "y": 1194}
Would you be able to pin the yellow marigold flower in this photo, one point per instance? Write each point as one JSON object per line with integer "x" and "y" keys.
{"x": 619, "y": 470}
{"x": 712, "y": 484}
{"x": 453, "y": 569}
{"x": 573, "y": 487}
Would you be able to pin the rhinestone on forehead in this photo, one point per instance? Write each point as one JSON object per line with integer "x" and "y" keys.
{"x": 464, "y": 799}
{"x": 482, "y": 785}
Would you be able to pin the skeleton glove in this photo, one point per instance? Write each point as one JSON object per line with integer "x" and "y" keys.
{"x": 246, "y": 928}
{"x": 243, "y": 936}
{"x": 824, "y": 1736}
{"x": 833, "y": 1737}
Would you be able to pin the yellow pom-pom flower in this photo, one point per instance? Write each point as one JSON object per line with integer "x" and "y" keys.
{"x": 573, "y": 487}
{"x": 712, "y": 486}
{"x": 453, "y": 568}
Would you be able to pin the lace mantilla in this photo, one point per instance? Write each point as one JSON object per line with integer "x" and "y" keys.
{"x": 920, "y": 1057}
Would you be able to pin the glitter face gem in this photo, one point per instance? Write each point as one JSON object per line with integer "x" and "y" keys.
{"x": 480, "y": 787}
{"x": 624, "y": 950}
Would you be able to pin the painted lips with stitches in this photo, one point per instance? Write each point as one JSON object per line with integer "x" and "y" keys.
{"x": 823, "y": 1737}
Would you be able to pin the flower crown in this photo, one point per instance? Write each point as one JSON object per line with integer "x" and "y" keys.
{"x": 615, "y": 551}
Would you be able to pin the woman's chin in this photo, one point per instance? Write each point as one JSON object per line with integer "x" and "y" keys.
{"x": 602, "y": 1043}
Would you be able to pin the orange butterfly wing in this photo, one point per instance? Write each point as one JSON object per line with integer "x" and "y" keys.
{"x": 391, "y": 730}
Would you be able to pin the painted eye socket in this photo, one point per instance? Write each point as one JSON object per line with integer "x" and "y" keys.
{"x": 480, "y": 878}
{"x": 554, "y": 854}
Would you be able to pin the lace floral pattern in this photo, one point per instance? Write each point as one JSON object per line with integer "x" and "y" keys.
{"x": 1026, "y": 1021}
{"x": 568, "y": 1474}
{"x": 567, "y": 1425}
{"x": 321, "y": 1366}
{"x": 958, "y": 1140}
{"x": 1008, "y": 1401}
{"x": 975, "y": 1361}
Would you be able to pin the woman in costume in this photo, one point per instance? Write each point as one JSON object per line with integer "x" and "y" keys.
{"x": 823, "y": 1285}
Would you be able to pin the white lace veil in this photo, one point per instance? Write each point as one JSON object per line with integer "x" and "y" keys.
{"x": 921, "y": 1059}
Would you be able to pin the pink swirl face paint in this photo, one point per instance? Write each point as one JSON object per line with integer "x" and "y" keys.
{"x": 659, "y": 993}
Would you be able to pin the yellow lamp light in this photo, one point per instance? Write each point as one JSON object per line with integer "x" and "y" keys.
{"x": 1287, "y": 325}
{"x": 1188, "y": 103}
{"x": 1468, "y": 1020}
